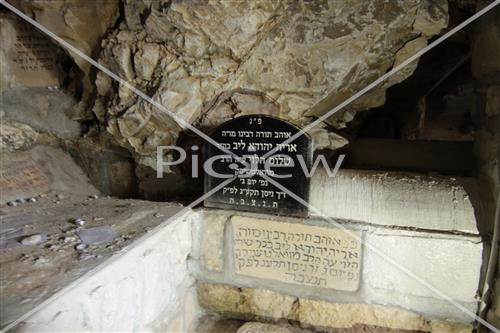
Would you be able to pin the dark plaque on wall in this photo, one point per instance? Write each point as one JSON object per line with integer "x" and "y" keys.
{"x": 251, "y": 138}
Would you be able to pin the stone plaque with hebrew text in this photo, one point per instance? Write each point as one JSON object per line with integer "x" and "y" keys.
{"x": 260, "y": 141}
{"x": 21, "y": 177}
{"x": 296, "y": 253}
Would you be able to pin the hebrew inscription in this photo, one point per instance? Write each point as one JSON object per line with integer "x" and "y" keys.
{"x": 296, "y": 253}
{"x": 20, "y": 178}
{"x": 29, "y": 55}
{"x": 250, "y": 138}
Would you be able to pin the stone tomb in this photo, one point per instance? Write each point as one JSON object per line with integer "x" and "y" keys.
{"x": 250, "y": 138}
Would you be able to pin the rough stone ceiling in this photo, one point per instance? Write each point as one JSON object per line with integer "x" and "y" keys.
{"x": 208, "y": 63}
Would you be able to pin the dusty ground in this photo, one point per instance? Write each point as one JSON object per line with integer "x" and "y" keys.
{"x": 30, "y": 273}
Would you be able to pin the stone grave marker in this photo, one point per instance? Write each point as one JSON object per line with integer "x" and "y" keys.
{"x": 297, "y": 253}
{"x": 250, "y": 138}
{"x": 27, "y": 56}
{"x": 22, "y": 177}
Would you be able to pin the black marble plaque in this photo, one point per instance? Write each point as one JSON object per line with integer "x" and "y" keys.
{"x": 250, "y": 138}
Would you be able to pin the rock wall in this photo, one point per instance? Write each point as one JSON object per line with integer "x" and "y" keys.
{"x": 207, "y": 63}
{"x": 486, "y": 71}
{"x": 82, "y": 24}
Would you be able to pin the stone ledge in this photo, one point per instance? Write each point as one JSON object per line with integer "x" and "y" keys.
{"x": 267, "y": 305}
{"x": 145, "y": 287}
{"x": 397, "y": 199}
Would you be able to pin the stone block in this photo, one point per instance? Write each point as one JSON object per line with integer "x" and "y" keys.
{"x": 245, "y": 303}
{"x": 331, "y": 315}
{"x": 386, "y": 264}
{"x": 297, "y": 253}
{"x": 270, "y": 304}
{"x": 211, "y": 252}
{"x": 395, "y": 199}
{"x": 450, "y": 264}
{"x": 262, "y": 304}
{"x": 444, "y": 327}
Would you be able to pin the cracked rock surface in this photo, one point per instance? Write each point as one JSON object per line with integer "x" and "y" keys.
{"x": 208, "y": 62}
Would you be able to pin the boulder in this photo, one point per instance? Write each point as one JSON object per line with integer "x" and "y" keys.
{"x": 207, "y": 63}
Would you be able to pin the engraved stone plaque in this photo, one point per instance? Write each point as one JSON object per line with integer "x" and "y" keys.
{"x": 27, "y": 56}
{"x": 21, "y": 177}
{"x": 250, "y": 138}
{"x": 296, "y": 253}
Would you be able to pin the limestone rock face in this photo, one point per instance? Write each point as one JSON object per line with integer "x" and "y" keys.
{"x": 79, "y": 22}
{"x": 14, "y": 136}
{"x": 211, "y": 61}
{"x": 45, "y": 110}
{"x": 27, "y": 57}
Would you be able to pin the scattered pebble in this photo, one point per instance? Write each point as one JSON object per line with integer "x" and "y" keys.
{"x": 59, "y": 196}
{"x": 32, "y": 199}
{"x": 86, "y": 256}
{"x": 80, "y": 222}
{"x": 57, "y": 202}
{"x": 98, "y": 218}
{"x": 53, "y": 247}
{"x": 32, "y": 240}
{"x": 69, "y": 239}
{"x": 12, "y": 203}
{"x": 158, "y": 215}
{"x": 95, "y": 196}
{"x": 97, "y": 235}
{"x": 81, "y": 247}
{"x": 43, "y": 195}
{"x": 41, "y": 260}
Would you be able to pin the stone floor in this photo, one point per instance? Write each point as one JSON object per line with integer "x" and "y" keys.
{"x": 43, "y": 249}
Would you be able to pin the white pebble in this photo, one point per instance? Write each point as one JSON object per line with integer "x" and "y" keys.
{"x": 81, "y": 222}
{"x": 32, "y": 240}
{"x": 69, "y": 239}
{"x": 81, "y": 247}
